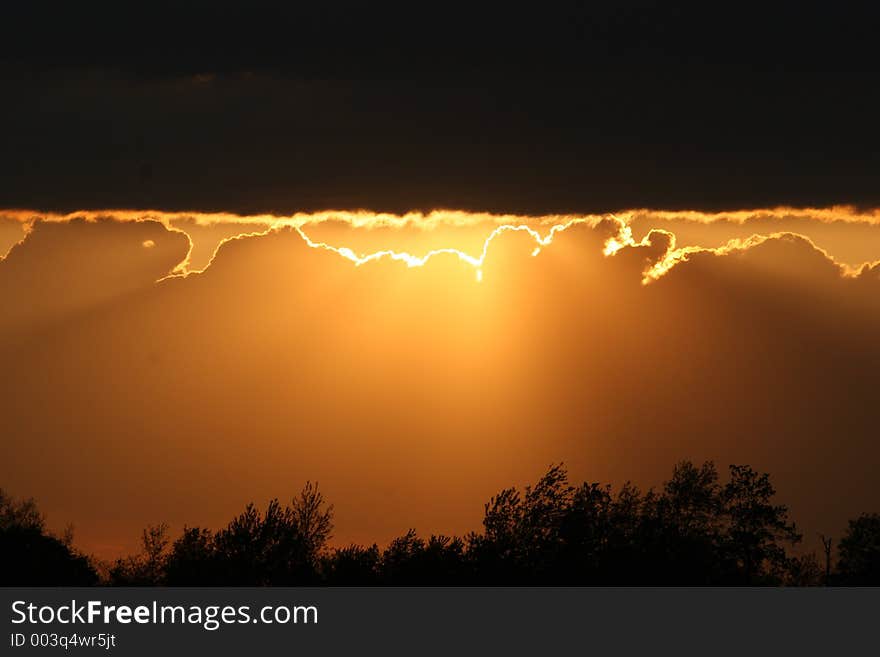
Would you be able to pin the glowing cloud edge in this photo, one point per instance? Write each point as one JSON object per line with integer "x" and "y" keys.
{"x": 363, "y": 219}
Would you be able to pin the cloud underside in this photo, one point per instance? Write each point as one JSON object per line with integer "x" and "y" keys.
{"x": 411, "y": 387}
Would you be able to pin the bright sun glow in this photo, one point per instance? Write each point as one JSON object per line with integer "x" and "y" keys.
{"x": 418, "y": 261}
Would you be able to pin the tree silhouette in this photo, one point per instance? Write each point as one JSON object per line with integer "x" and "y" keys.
{"x": 827, "y": 547}
{"x": 804, "y": 570}
{"x": 353, "y": 566}
{"x": 691, "y": 499}
{"x": 755, "y": 525}
{"x": 859, "y": 561}
{"x": 31, "y": 556}
{"x": 693, "y": 530}
{"x": 585, "y": 532}
{"x": 282, "y": 545}
{"x": 680, "y": 535}
{"x": 312, "y": 520}
{"x": 522, "y": 534}
{"x": 148, "y": 567}
{"x": 192, "y": 560}
{"x": 410, "y": 560}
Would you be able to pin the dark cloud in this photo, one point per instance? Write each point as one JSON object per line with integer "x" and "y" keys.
{"x": 564, "y": 108}
{"x": 354, "y": 40}
{"x": 267, "y": 144}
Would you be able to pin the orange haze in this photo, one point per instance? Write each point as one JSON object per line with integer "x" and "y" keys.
{"x": 172, "y": 367}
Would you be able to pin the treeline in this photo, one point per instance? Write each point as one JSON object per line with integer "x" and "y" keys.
{"x": 32, "y": 556}
{"x": 694, "y": 530}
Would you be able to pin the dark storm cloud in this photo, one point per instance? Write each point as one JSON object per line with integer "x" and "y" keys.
{"x": 566, "y": 108}
{"x": 379, "y": 39}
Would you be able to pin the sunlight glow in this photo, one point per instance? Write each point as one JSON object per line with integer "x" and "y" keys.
{"x": 418, "y": 261}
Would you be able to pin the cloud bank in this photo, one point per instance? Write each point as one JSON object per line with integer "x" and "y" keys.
{"x": 846, "y": 233}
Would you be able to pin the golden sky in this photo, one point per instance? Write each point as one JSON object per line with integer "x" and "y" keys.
{"x": 172, "y": 367}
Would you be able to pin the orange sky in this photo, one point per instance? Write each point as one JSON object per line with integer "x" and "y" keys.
{"x": 139, "y": 390}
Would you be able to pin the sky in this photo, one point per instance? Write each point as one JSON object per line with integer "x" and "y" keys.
{"x": 143, "y": 386}
{"x": 419, "y": 256}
